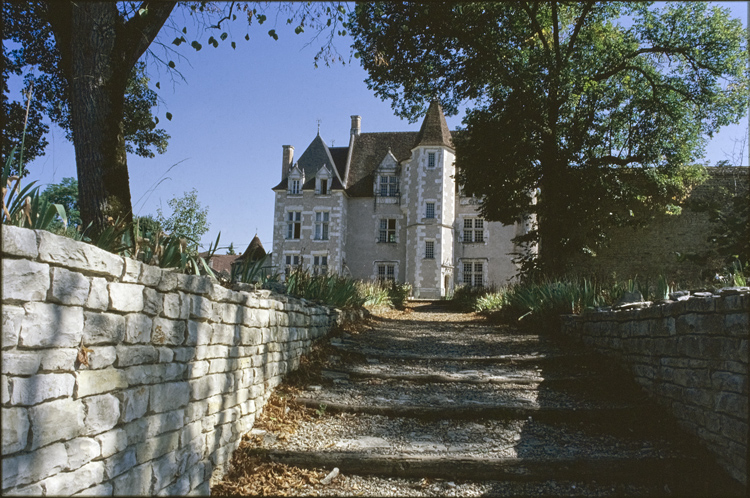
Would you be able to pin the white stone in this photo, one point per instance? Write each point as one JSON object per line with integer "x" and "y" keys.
{"x": 78, "y": 255}
{"x": 69, "y": 287}
{"x": 98, "y": 295}
{"x": 90, "y": 382}
{"x": 134, "y": 403}
{"x": 210, "y": 385}
{"x": 132, "y": 270}
{"x": 103, "y": 328}
{"x": 15, "y": 425}
{"x": 194, "y": 284}
{"x": 19, "y": 241}
{"x": 102, "y": 413}
{"x": 166, "y": 397}
{"x": 168, "y": 281}
{"x": 199, "y": 333}
{"x": 58, "y": 359}
{"x": 125, "y": 297}
{"x": 183, "y": 355}
{"x": 104, "y": 489}
{"x": 150, "y": 275}
{"x": 67, "y": 483}
{"x": 55, "y": 421}
{"x": 138, "y": 329}
{"x": 152, "y": 301}
{"x": 164, "y": 469}
{"x": 42, "y": 387}
{"x": 157, "y": 446}
{"x": 5, "y": 389}
{"x": 24, "y": 280}
{"x": 21, "y": 362}
{"x": 50, "y": 325}
{"x": 176, "y": 305}
{"x": 136, "y": 431}
{"x": 166, "y": 355}
{"x": 136, "y": 355}
{"x": 200, "y": 308}
{"x": 12, "y": 319}
{"x": 32, "y": 467}
{"x": 137, "y": 482}
{"x": 119, "y": 463}
{"x": 81, "y": 451}
{"x": 164, "y": 422}
{"x": 167, "y": 331}
{"x": 198, "y": 369}
{"x": 102, "y": 357}
{"x": 30, "y": 490}
{"x": 112, "y": 441}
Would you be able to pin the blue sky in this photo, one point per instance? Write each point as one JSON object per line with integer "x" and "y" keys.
{"x": 236, "y": 110}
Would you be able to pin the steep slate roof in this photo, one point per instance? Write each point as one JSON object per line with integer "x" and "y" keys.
{"x": 434, "y": 129}
{"x": 254, "y": 251}
{"x": 339, "y": 155}
{"x": 369, "y": 150}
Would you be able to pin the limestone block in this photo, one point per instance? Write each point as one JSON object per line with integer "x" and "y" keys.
{"x": 98, "y": 295}
{"x": 167, "y": 331}
{"x": 21, "y": 362}
{"x": 219, "y": 365}
{"x": 69, "y": 287}
{"x": 54, "y": 421}
{"x": 58, "y": 359}
{"x": 198, "y": 369}
{"x": 89, "y": 382}
{"x": 152, "y": 301}
{"x": 176, "y": 305}
{"x": 167, "y": 282}
{"x": 136, "y": 482}
{"x": 112, "y": 442}
{"x": 136, "y": 431}
{"x": 195, "y": 411}
{"x": 166, "y": 355}
{"x": 19, "y": 241}
{"x": 737, "y": 324}
{"x": 165, "y": 469}
{"x": 138, "y": 329}
{"x": 103, "y": 328}
{"x": 5, "y": 389}
{"x": 231, "y": 313}
{"x": 66, "y": 484}
{"x": 30, "y": 490}
{"x": 104, "y": 489}
{"x": 102, "y": 413}
{"x": 102, "y": 357}
{"x": 125, "y": 297}
{"x": 132, "y": 270}
{"x": 150, "y": 275}
{"x": 216, "y": 351}
{"x": 199, "y": 332}
{"x": 190, "y": 432}
{"x": 81, "y": 451}
{"x": 78, "y": 255}
{"x": 15, "y": 429}
{"x": 32, "y": 467}
{"x": 195, "y": 284}
{"x": 262, "y": 318}
{"x": 183, "y": 355}
{"x": 136, "y": 355}
{"x": 39, "y": 388}
{"x": 210, "y": 385}
{"x": 200, "y": 308}
{"x": 134, "y": 403}
{"x": 119, "y": 463}
{"x": 12, "y": 319}
{"x": 157, "y": 446}
{"x": 50, "y": 325}
{"x": 224, "y": 334}
{"x": 180, "y": 487}
{"x": 162, "y": 423}
{"x": 249, "y": 336}
{"x": 218, "y": 293}
{"x": 24, "y": 280}
{"x": 166, "y": 397}
{"x": 732, "y": 404}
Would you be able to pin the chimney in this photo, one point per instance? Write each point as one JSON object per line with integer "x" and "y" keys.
{"x": 286, "y": 160}
{"x": 356, "y": 124}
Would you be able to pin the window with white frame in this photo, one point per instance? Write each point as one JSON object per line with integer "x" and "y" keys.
{"x": 387, "y": 272}
{"x": 291, "y": 261}
{"x": 473, "y": 273}
{"x": 473, "y": 230}
{"x": 429, "y": 211}
{"x": 431, "y": 160}
{"x": 388, "y": 185}
{"x": 320, "y": 264}
{"x": 387, "y": 230}
{"x": 429, "y": 249}
{"x": 293, "y": 224}
{"x": 295, "y": 186}
{"x": 321, "y": 225}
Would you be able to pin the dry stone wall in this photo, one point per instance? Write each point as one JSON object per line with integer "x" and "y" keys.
{"x": 692, "y": 356}
{"x": 178, "y": 370}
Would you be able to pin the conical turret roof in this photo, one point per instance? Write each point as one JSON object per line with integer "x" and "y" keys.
{"x": 254, "y": 251}
{"x": 434, "y": 129}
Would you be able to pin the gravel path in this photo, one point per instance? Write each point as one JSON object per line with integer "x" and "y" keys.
{"x": 430, "y": 402}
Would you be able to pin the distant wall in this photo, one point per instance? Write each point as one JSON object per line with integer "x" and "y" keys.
{"x": 651, "y": 250}
{"x": 692, "y": 356}
{"x": 179, "y": 369}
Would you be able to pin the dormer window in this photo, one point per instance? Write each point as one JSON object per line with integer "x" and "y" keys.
{"x": 388, "y": 186}
{"x": 431, "y": 160}
{"x": 323, "y": 188}
{"x": 294, "y": 186}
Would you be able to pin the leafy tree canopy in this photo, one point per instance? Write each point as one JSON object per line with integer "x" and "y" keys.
{"x": 578, "y": 118}
{"x": 188, "y": 219}
{"x": 66, "y": 194}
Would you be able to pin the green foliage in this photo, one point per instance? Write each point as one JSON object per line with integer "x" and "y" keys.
{"x": 331, "y": 290}
{"x": 577, "y": 119}
{"x": 65, "y": 193}
{"x": 466, "y": 297}
{"x": 251, "y": 272}
{"x": 384, "y": 294}
{"x": 189, "y": 220}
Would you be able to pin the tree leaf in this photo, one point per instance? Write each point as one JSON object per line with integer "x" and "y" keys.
{"x": 272, "y": 34}
{"x": 158, "y": 85}
{"x": 247, "y": 37}
{"x": 234, "y": 45}
{"x": 223, "y": 36}
{"x": 171, "y": 64}
{"x": 169, "y": 116}
{"x": 197, "y": 46}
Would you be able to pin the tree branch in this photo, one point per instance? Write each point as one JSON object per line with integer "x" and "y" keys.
{"x": 579, "y": 24}
{"x": 624, "y": 63}
{"x": 617, "y": 161}
{"x": 535, "y": 24}
{"x": 225, "y": 18}
{"x": 140, "y": 31}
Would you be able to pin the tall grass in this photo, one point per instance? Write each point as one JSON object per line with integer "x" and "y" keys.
{"x": 392, "y": 295}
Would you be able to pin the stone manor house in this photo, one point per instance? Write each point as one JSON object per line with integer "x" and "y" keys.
{"x": 387, "y": 207}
